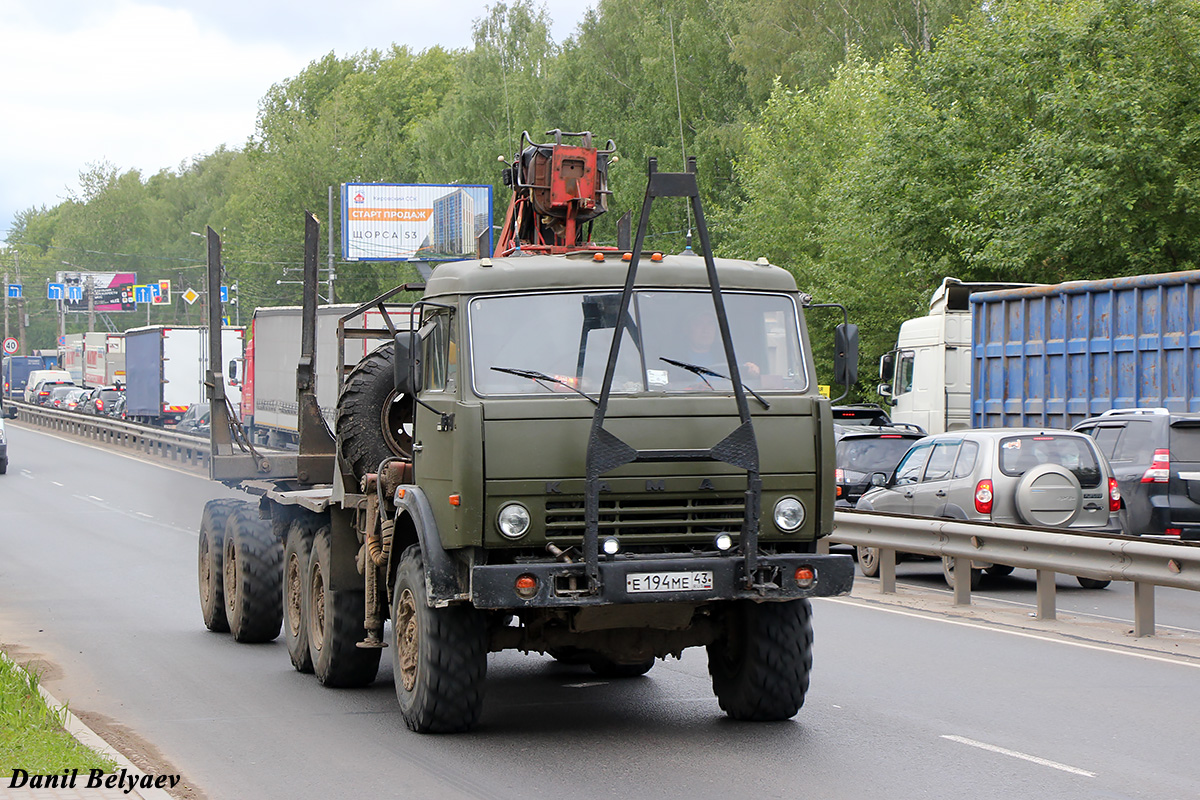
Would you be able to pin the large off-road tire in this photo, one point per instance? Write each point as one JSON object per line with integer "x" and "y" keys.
{"x": 296, "y": 553}
{"x": 760, "y": 668}
{"x": 253, "y": 572}
{"x": 335, "y": 624}
{"x": 439, "y": 655}
{"x": 211, "y": 562}
{"x": 371, "y": 415}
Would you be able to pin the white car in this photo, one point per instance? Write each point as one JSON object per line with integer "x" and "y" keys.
{"x": 3, "y": 449}
{"x": 39, "y": 375}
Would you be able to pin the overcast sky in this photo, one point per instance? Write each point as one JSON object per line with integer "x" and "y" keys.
{"x": 150, "y": 84}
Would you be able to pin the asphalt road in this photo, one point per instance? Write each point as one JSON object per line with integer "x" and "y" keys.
{"x": 97, "y": 573}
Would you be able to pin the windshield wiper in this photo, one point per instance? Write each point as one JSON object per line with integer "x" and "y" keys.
{"x": 534, "y": 375}
{"x": 696, "y": 369}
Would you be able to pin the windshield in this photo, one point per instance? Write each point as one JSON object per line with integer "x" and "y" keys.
{"x": 567, "y": 336}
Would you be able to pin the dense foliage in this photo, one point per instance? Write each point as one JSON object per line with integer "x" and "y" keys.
{"x": 870, "y": 146}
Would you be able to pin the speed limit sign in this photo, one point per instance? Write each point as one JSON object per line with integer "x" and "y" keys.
{"x": 11, "y": 346}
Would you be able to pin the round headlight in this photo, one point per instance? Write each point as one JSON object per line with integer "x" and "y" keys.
{"x": 789, "y": 514}
{"x": 513, "y": 520}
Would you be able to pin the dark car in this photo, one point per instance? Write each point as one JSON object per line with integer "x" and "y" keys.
{"x": 864, "y": 450}
{"x": 101, "y": 400}
{"x": 44, "y": 392}
{"x": 195, "y": 420}
{"x": 1155, "y": 457}
{"x": 59, "y": 396}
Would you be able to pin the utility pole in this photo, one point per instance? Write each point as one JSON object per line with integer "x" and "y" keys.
{"x": 330, "y": 226}
{"x": 5, "y": 304}
{"x": 22, "y": 319}
{"x": 91, "y": 286}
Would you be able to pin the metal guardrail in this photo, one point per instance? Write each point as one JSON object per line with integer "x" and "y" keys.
{"x": 181, "y": 448}
{"x": 1147, "y": 563}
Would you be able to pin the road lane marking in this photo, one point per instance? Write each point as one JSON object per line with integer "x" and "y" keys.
{"x": 97, "y": 499}
{"x": 131, "y": 456}
{"x": 26, "y": 474}
{"x": 56, "y": 483}
{"x": 932, "y": 617}
{"x": 1023, "y": 756}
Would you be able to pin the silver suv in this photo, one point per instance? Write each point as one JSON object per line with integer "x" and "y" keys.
{"x": 1010, "y": 476}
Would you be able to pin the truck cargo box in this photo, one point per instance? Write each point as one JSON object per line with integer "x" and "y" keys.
{"x": 1054, "y": 355}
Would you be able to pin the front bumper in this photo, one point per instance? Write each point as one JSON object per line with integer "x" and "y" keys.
{"x": 565, "y": 585}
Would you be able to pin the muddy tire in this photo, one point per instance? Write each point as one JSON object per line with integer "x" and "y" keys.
{"x": 296, "y": 552}
{"x": 335, "y": 624}
{"x": 253, "y": 571}
{"x": 211, "y": 562}
{"x": 371, "y": 415}
{"x": 760, "y": 668}
{"x": 439, "y": 655}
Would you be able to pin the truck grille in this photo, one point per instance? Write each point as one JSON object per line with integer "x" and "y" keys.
{"x": 645, "y": 517}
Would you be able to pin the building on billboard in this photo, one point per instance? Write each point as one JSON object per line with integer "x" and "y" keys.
{"x": 404, "y": 222}
{"x": 454, "y": 224}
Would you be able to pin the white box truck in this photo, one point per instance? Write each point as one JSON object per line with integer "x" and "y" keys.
{"x": 164, "y": 370}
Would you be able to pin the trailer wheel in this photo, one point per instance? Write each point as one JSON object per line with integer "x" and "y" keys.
{"x": 371, "y": 416}
{"x": 439, "y": 655}
{"x": 335, "y": 624}
{"x": 253, "y": 571}
{"x": 760, "y": 668}
{"x": 211, "y": 562}
{"x": 295, "y": 607}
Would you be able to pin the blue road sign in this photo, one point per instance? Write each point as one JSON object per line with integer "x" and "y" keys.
{"x": 55, "y": 291}
{"x": 14, "y": 291}
{"x": 224, "y": 294}
{"x": 74, "y": 293}
{"x": 143, "y": 294}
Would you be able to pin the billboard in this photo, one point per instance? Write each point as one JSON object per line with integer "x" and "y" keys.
{"x": 401, "y": 222}
{"x": 113, "y": 290}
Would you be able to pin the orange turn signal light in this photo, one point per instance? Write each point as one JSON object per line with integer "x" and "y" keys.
{"x": 526, "y": 586}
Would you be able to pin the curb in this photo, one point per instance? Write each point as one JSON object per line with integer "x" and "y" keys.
{"x": 88, "y": 737}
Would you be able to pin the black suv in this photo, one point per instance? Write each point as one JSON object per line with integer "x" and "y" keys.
{"x": 1155, "y": 457}
{"x": 867, "y": 442}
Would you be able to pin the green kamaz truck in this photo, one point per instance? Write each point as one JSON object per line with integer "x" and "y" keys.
{"x": 603, "y": 454}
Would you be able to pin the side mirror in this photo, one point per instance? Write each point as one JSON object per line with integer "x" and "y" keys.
{"x": 879, "y": 479}
{"x": 845, "y": 354}
{"x": 233, "y": 371}
{"x": 407, "y": 365}
{"x": 887, "y": 368}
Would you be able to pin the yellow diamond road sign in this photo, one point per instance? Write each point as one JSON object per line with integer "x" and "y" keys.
{"x": 191, "y": 296}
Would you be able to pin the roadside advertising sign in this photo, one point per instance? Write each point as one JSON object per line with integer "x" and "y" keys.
{"x": 421, "y": 222}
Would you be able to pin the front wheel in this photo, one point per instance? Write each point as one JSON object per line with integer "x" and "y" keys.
{"x": 760, "y": 667}
{"x": 439, "y": 655}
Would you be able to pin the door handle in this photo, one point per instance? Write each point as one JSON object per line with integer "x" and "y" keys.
{"x": 940, "y": 493}
{"x": 417, "y": 447}
{"x": 908, "y": 495}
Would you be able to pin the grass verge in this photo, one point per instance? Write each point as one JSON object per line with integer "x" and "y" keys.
{"x": 32, "y": 736}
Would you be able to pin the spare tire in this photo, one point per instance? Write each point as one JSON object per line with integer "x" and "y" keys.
{"x": 372, "y": 415}
{"x": 1049, "y": 496}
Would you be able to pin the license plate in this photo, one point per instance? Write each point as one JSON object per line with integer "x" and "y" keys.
{"x": 668, "y": 582}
